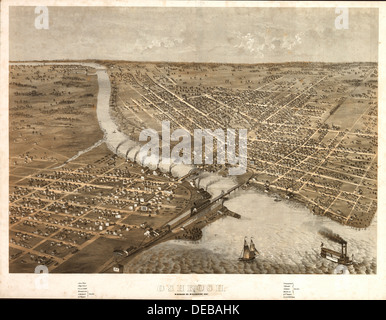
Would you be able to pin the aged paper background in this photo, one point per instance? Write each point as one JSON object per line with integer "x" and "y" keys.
{"x": 141, "y": 286}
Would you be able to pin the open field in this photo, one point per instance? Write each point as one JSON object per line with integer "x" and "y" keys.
{"x": 71, "y": 216}
{"x": 312, "y": 137}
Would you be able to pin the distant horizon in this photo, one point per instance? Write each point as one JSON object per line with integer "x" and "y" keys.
{"x": 190, "y": 62}
{"x": 195, "y": 34}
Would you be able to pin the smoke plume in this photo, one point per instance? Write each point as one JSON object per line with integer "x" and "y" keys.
{"x": 328, "y": 234}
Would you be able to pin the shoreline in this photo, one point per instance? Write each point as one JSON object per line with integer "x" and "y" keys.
{"x": 118, "y": 142}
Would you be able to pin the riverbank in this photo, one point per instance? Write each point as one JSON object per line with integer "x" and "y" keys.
{"x": 285, "y": 235}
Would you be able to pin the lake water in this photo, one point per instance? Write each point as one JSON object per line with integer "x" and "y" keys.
{"x": 285, "y": 233}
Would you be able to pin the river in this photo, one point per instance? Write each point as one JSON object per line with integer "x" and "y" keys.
{"x": 285, "y": 233}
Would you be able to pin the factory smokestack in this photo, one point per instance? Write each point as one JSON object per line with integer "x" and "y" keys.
{"x": 328, "y": 234}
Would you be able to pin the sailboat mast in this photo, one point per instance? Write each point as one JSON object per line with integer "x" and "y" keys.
{"x": 246, "y": 250}
{"x": 249, "y": 251}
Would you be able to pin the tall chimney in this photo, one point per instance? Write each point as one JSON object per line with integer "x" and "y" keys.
{"x": 342, "y": 255}
{"x": 344, "y": 249}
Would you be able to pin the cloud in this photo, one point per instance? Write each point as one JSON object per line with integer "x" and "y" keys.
{"x": 250, "y": 43}
{"x": 164, "y": 42}
{"x": 264, "y": 44}
{"x": 290, "y": 43}
{"x": 195, "y": 34}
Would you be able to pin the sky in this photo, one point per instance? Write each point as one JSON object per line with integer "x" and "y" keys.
{"x": 189, "y": 34}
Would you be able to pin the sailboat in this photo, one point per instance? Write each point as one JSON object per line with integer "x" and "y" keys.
{"x": 249, "y": 252}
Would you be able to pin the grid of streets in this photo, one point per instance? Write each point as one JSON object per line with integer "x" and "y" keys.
{"x": 312, "y": 136}
{"x": 312, "y": 126}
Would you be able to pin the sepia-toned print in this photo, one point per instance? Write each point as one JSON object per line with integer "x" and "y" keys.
{"x": 193, "y": 140}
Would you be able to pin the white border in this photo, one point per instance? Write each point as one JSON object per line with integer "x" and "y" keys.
{"x": 141, "y": 286}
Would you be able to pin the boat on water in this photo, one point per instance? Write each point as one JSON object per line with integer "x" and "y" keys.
{"x": 335, "y": 256}
{"x": 277, "y": 199}
{"x": 249, "y": 251}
